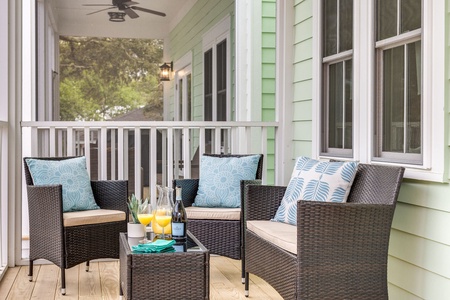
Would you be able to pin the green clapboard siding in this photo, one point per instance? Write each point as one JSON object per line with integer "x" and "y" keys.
{"x": 419, "y": 250}
{"x": 268, "y": 67}
{"x": 187, "y": 36}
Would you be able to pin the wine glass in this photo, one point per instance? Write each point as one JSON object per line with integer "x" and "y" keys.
{"x": 145, "y": 216}
{"x": 163, "y": 217}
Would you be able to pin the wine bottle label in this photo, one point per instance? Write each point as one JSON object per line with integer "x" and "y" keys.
{"x": 178, "y": 248}
{"x": 178, "y": 229}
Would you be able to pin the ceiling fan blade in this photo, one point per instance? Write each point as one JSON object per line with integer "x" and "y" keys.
{"x": 130, "y": 13}
{"x": 96, "y": 4}
{"x": 111, "y": 7}
{"x": 130, "y": 3}
{"x": 149, "y": 11}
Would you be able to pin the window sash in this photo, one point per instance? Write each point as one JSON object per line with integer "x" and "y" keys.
{"x": 398, "y": 140}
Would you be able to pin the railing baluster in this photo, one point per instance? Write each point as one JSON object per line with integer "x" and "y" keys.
{"x": 113, "y": 154}
{"x": 120, "y": 154}
{"x": 153, "y": 147}
{"x": 169, "y": 156}
{"x": 186, "y": 153}
{"x": 103, "y": 153}
{"x": 137, "y": 162}
{"x": 87, "y": 148}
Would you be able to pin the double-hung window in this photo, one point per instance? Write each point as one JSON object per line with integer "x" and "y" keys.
{"x": 216, "y": 84}
{"x": 398, "y": 129}
{"x": 381, "y": 90}
{"x": 337, "y": 70}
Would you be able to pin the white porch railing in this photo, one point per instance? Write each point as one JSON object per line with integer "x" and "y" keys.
{"x": 147, "y": 153}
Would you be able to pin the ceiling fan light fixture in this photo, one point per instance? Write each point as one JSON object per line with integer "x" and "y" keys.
{"x": 166, "y": 70}
{"x": 116, "y": 16}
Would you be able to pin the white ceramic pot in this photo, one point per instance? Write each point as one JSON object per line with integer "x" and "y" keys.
{"x": 135, "y": 230}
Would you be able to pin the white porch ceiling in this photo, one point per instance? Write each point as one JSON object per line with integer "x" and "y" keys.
{"x": 72, "y": 20}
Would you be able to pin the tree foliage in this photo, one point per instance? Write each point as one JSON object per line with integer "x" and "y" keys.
{"x": 101, "y": 78}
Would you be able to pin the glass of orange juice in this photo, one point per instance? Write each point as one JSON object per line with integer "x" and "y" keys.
{"x": 163, "y": 216}
{"x": 145, "y": 216}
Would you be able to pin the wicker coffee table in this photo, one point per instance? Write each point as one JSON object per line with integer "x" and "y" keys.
{"x": 179, "y": 275}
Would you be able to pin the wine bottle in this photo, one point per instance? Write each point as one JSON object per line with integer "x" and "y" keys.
{"x": 179, "y": 217}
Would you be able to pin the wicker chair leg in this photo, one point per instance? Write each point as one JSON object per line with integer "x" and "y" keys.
{"x": 30, "y": 271}
{"x": 243, "y": 269}
{"x": 63, "y": 281}
{"x": 87, "y": 266}
{"x": 246, "y": 293}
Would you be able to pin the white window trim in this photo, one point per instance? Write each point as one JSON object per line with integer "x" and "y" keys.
{"x": 433, "y": 74}
{"x": 218, "y": 33}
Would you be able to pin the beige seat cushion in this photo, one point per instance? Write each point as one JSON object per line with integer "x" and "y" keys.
{"x": 281, "y": 234}
{"x": 95, "y": 216}
{"x": 216, "y": 213}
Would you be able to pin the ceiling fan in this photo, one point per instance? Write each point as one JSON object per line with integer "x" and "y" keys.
{"x": 128, "y": 7}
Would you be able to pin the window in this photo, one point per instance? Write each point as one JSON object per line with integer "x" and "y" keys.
{"x": 216, "y": 103}
{"x": 216, "y": 81}
{"x": 390, "y": 75}
{"x": 398, "y": 132}
{"x": 337, "y": 68}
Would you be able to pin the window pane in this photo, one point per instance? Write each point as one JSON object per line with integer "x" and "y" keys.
{"x": 411, "y": 11}
{"x": 348, "y": 138}
{"x": 330, "y": 27}
{"x": 393, "y": 99}
{"x": 180, "y": 99}
{"x": 345, "y": 25}
{"x": 335, "y": 107}
{"x": 189, "y": 98}
{"x": 222, "y": 81}
{"x": 386, "y": 19}
{"x": 414, "y": 101}
{"x": 208, "y": 85}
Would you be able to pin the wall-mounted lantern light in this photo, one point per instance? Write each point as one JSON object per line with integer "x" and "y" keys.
{"x": 166, "y": 70}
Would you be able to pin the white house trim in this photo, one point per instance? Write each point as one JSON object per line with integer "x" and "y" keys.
{"x": 284, "y": 93}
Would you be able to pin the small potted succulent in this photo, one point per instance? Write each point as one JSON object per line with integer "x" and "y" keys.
{"x": 135, "y": 229}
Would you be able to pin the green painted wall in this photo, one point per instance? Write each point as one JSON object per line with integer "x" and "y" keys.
{"x": 268, "y": 58}
{"x": 187, "y": 36}
{"x": 302, "y": 102}
{"x": 419, "y": 252}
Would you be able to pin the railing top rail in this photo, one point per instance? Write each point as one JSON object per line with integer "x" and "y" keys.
{"x": 3, "y": 123}
{"x": 147, "y": 124}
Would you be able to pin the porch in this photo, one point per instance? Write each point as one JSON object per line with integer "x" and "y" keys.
{"x": 102, "y": 282}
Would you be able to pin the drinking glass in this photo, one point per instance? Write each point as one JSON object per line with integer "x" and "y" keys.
{"x": 145, "y": 216}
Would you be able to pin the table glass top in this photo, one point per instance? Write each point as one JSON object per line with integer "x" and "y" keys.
{"x": 191, "y": 244}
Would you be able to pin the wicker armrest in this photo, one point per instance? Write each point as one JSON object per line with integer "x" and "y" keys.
{"x": 111, "y": 194}
{"x": 45, "y": 208}
{"x": 344, "y": 234}
{"x": 262, "y": 201}
{"x": 189, "y": 189}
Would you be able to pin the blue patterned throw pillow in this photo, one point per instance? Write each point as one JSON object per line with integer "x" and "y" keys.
{"x": 71, "y": 174}
{"x": 220, "y": 177}
{"x": 318, "y": 181}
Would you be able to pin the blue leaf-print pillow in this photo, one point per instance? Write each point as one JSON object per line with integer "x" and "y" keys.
{"x": 317, "y": 181}
{"x": 71, "y": 174}
{"x": 220, "y": 180}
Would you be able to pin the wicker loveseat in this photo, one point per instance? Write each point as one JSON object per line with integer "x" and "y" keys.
{"x": 222, "y": 236}
{"x": 68, "y": 239}
{"x": 338, "y": 250}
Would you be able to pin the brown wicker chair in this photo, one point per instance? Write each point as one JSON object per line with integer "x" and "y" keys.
{"x": 221, "y": 237}
{"x": 70, "y": 246}
{"x": 342, "y": 248}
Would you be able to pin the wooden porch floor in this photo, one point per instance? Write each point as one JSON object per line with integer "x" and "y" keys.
{"x": 102, "y": 282}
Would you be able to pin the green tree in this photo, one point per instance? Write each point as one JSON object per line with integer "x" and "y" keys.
{"x": 101, "y": 78}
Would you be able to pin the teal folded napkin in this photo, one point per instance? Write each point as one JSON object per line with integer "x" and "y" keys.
{"x": 158, "y": 246}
